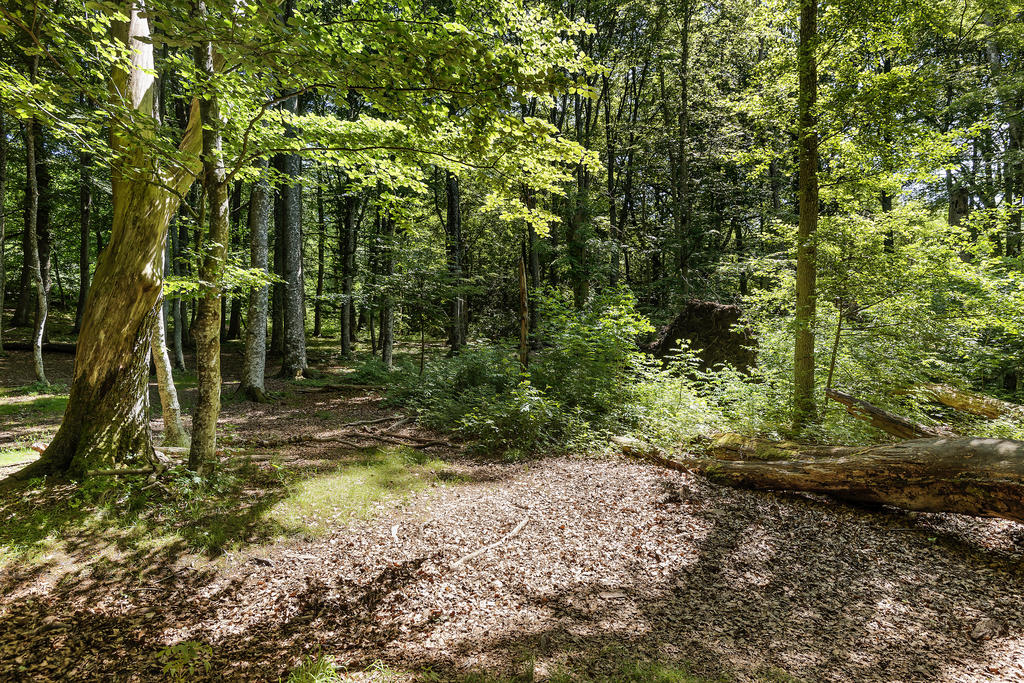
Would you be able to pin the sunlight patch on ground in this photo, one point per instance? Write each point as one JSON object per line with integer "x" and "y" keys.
{"x": 17, "y": 456}
{"x": 318, "y": 504}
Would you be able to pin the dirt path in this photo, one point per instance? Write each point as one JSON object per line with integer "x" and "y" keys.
{"x": 614, "y": 556}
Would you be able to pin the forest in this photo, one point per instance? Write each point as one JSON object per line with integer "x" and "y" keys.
{"x": 502, "y": 341}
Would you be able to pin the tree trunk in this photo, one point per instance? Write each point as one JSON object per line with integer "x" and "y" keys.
{"x": 234, "y": 316}
{"x": 981, "y": 477}
{"x": 174, "y": 431}
{"x": 277, "y": 291}
{"x": 321, "y": 224}
{"x": 524, "y": 313}
{"x": 898, "y": 426}
{"x": 32, "y": 256}
{"x": 804, "y": 410}
{"x": 177, "y": 308}
{"x": 254, "y": 367}
{"x": 84, "y": 229}
{"x": 106, "y": 424}
{"x": 454, "y": 255}
{"x": 970, "y": 402}
{"x": 206, "y": 328}
{"x": 294, "y": 300}
{"x": 387, "y": 312}
{"x": 348, "y": 267}
{"x": 3, "y": 219}
{"x": 44, "y": 235}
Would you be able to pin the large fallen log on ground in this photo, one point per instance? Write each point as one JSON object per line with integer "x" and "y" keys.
{"x": 981, "y": 477}
{"x": 898, "y": 426}
{"x": 969, "y": 402}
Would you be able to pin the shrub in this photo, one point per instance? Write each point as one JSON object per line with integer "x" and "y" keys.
{"x": 588, "y": 379}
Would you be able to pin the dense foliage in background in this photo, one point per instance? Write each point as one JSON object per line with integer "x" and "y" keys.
{"x": 631, "y": 157}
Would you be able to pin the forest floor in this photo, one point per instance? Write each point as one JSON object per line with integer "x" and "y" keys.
{"x": 622, "y": 570}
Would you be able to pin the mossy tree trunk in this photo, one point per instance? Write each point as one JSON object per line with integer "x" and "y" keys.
{"x": 804, "y": 409}
{"x": 106, "y": 424}
{"x": 206, "y": 327}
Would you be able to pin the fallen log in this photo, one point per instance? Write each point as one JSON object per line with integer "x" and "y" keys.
{"x": 980, "y": 477}
{"x": 49, "y": 347}
{"x": 969, "y": 401}
{"x": 898, "y": 426}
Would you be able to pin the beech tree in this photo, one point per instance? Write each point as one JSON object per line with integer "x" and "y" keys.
{"x": 106, "y": 421}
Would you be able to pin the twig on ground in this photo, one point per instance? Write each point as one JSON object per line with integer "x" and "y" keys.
{"x": 503, "y": 539}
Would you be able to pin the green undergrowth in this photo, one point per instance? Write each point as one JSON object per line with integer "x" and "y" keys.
{"x": 242, "y": 504}
{"x": 621, "y": 667}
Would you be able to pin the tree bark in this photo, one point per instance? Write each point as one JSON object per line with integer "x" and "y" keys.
{"x": 348, "y": 266}
{"x": 387, "y": 312}
{"x": 106, "y": 424}
{"x": 206, "y": 327}
{"x": 84, "y": 230}
{"x": 254, "y": 367}
{"x": 804, "y": 409}
{"x": 234, "y": 317}
{"x": 3, "y": 219}
{"x": 981, "y": 477}
{"x": 321, "y": 224}
{"x": 970, "y": 402}
{"x": 174, "y": 430}
{"x": 454, "y": 256}
{"x": 893, "y": 424}
{"x": 32, "y": 256}
{"x": 294, "y": 300}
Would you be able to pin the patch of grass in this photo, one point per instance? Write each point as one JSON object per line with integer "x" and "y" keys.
{"x": 315, "y": 505}
{"x": 323, "y": 669}
{"x": 16, "y": 455}
{"x": 36, "y": 389}
{"x": 54, "y": 405}
{"x": 235, "y": 507}
{"x": 319, "y": 669}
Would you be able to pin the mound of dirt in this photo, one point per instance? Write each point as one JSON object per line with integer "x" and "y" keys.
{"x": 712, "y": 331}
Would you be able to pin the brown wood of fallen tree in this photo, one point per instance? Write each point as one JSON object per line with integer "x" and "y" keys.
{"x": 898, "y": 426}
{"x": 980, "y": 477}
{"x": 49, "y": 347}
{"x": 969, "y": 401}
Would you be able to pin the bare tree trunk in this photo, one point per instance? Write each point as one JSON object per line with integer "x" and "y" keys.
{"x": 84, "y": 229}
{"x": 294, "y": 304}
{"x": 254, "y": 367}
{"x": 233, "y": 304}
{"x": 348, "y": 267}
{"x": 3, "y": 219}
{"x": 320, "y": 239}
{"x": 387, "y": 313}
{"x": 206, "y": 328}
{"x": 32, "y": 214}
{"x": 804, "y": 410}
{"x": 524, "y": 313}
{"x": 106, "y": 423}
{"x": 177, "y": 308}
{"x": 277, "y": 290}
{"x": 455, "y": 249}
{"x": 174, "y": 430}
